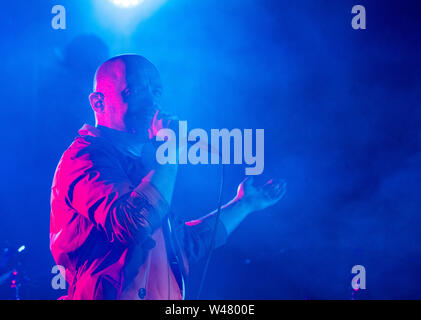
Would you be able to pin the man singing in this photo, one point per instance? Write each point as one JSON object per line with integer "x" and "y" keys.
{"x": 111, "y": 227}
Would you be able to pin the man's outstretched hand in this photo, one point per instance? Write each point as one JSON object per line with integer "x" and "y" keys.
{"x": 250, "y": 198}
{"x": 260, "y": 197}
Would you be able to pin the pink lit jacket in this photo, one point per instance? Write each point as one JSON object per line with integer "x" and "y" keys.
{"x": 113, "y": 233}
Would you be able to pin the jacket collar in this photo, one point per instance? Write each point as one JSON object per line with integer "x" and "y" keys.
{"x": 125, "y": 142}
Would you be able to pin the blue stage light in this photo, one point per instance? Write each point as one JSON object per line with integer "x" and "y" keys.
{"x": 123, "y": 16}
{"x": 126, "y": 3}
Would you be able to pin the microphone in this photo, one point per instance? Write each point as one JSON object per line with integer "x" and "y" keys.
{"x": 207, "y": 147}
{"x": 175, "y": 126}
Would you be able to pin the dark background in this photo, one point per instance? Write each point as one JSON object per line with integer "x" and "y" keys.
{"x": 340, "y": 109}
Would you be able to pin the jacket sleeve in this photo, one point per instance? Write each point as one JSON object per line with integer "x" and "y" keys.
{"x": 99, "y": 189}
{"x": 194, "y": 237}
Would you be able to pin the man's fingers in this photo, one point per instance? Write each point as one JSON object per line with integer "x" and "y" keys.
{"x": 248, "y": 181}
{"x": 162, "y": 120}
{"x": 275, "y": 189}
{"x": 272, "y": 184}
{"x": 269, "y": 183}
{"x": 155, "y": 117}
{"x": 280, "y": 191}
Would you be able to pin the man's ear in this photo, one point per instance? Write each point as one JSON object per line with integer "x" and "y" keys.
{"x": 97, "y": 101}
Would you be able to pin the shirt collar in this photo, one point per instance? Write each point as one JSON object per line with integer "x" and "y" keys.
{"x": 125, "y": 142}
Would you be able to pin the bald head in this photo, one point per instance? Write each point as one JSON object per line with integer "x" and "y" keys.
{"x": 126, "y": 93}
{"x": 124, "y": 69}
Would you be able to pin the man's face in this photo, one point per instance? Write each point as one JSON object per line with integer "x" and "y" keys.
{"x": 142, "y": 95}
{"x": 131, "y": 89}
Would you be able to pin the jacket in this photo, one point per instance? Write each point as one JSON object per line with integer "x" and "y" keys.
{"x": 113, "y": 233}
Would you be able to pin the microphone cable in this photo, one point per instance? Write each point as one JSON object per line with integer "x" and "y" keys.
{"x": 212, "y": 243}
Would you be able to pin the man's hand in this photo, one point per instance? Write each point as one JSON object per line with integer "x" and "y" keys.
{"x": 256, "y": 198}
{"x": 161, "y": 121}
{"x": 250, "y": 198}
{"x": 161, "y": 176}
